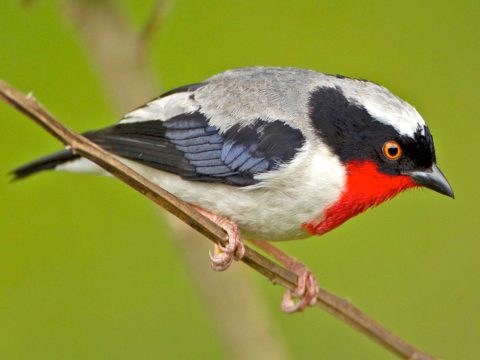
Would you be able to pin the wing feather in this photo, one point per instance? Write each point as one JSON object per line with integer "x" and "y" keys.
{"x": 188, "y": 145}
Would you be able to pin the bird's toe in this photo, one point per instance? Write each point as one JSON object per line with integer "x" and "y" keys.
{"x": 304, "y": 295}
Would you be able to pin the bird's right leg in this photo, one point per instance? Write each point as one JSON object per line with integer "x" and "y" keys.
{"x": 307, "y": 287}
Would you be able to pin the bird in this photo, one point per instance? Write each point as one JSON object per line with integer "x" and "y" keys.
{"x": 271, "y": 154}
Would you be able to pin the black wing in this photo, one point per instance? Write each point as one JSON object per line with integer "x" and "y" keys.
{"x": 189, "y": 146}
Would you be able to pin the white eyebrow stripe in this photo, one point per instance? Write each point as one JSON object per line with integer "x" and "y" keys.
{"x": 405, "y": 121}
{"x": 383, "y": 106}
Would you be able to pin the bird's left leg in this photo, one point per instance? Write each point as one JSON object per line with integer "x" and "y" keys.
{"x": 307, "y": 288}
{"x": 222, "y": 256}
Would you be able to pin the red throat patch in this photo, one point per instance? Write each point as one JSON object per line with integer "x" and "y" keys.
{"x": 365, "y": 187}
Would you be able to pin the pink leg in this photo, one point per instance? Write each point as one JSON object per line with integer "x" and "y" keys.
{"x": 222, "y": 256}
{"x": 307, "y": 288}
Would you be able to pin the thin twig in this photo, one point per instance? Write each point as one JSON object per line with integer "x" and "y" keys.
{"x": 154, "y": 21}
{"x": 114, "y": 49}
{"x": 340, "y": 308}
{"x": 121, "y": 56}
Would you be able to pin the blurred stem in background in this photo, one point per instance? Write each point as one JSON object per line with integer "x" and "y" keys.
{"x": 120, "y": 55}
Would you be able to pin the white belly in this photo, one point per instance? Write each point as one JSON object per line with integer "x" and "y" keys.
{"x": 275, "y": 209}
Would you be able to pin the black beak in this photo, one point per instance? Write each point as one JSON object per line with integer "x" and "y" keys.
{"x": 433, "y": 179}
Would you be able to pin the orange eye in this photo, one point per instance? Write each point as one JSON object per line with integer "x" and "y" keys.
{"x": 392, "y": 150}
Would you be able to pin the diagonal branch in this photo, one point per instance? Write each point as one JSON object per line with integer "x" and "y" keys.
{"x": 338, "y": 307}
{"x": 120, "y": 54}
{"x": 116, "y": 51}
{"x": 155, "y": 21}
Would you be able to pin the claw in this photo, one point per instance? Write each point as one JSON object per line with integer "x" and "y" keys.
{"x": 220, "y": 259}
{"x": 306, "y": 292}
{"x": 223, "y": 255}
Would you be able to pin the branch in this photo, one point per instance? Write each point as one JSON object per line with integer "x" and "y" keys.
{"x": 338, "y": 307}
{"x": 121, "y": 57}
{"x": 115, "y": 50}
{"x": 155, "y": 21}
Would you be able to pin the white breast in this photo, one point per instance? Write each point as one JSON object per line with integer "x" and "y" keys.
{"x": 276, "y": 208}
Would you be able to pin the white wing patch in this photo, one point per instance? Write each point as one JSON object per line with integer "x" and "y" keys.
{"x": 163, "y": 108}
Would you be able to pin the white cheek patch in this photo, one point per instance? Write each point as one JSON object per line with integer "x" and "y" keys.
{"x": 163, "y": 108}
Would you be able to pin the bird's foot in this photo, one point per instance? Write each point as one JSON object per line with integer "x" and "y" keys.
{"x": 223, "y": 255}
{"x": 306, "y": 292}
{"x": 307, "y": 287}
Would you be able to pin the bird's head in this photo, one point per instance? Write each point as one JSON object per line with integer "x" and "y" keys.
{"x": 382, "y": 141}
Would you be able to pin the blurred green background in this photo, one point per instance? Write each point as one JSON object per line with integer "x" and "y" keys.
{"x": 86, "y": 270}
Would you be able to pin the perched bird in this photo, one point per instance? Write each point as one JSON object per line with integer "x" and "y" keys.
{"x": 272, "y": 154}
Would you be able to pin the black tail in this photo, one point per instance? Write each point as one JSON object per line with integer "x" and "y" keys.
{"x": 45, "y": 163}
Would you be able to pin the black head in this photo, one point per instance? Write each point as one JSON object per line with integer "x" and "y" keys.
{"x": 354, "y": 134}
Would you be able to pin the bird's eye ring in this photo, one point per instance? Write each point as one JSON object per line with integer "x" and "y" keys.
{"x": 392, "y": 150}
